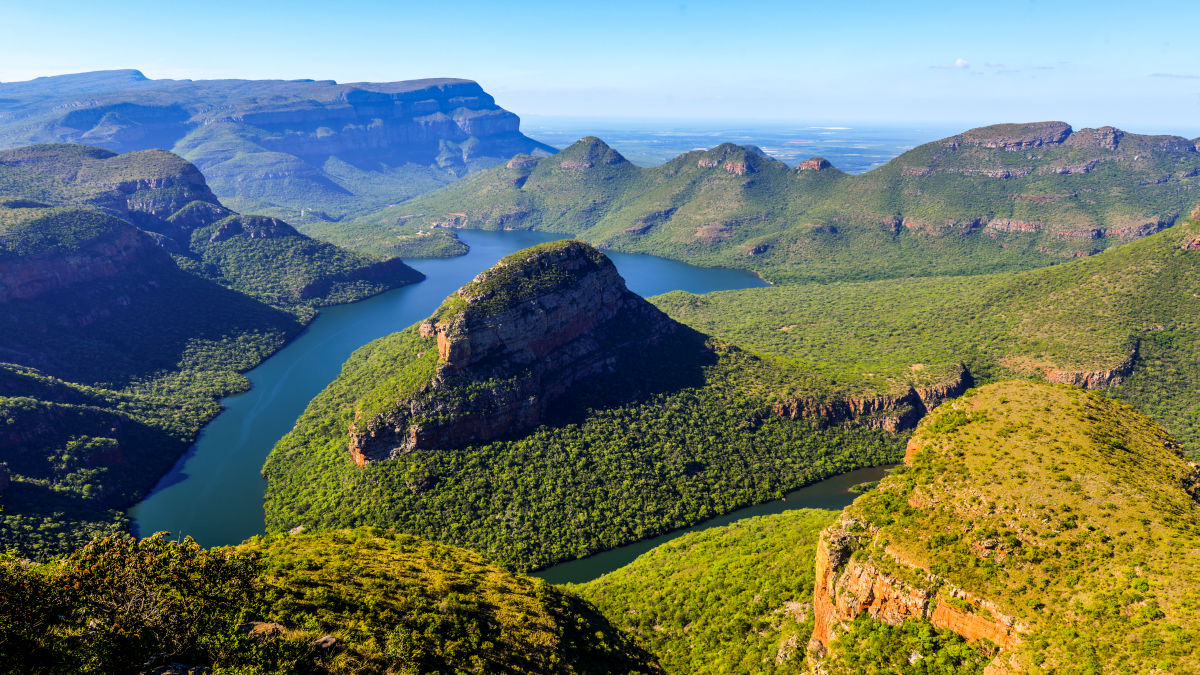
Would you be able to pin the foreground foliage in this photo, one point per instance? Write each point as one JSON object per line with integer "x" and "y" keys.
{"x": 733, "y": 599}
{"x": 344, "y": 602}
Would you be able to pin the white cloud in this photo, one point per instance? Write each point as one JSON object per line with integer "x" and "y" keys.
{"x": 959, "y": 63}
{"x": 1177, "y": 76}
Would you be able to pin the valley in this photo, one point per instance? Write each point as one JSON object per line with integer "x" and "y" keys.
{"x": 669, "y": 442}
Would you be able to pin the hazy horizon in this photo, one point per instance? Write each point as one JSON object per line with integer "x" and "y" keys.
{"x": 1090, "y": 64}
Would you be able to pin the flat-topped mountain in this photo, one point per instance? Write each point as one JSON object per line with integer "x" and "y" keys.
{"x": 508, "y": 344}
{"x": 304, "y": 150}
{"x": 1041, "y": 527}
{"x": 1002, "y": 197}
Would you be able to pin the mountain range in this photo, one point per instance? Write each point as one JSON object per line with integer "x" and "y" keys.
{"x": 1009, "y": 196}
{"x": 303, "y": 150}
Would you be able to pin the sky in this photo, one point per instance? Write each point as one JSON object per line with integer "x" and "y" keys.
{"x": 1088, "y": 63}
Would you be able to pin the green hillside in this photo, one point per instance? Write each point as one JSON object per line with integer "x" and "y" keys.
{"x": 733, "y": 599}
{"x": 344, "y": 602}
{"x": 168, "y": 197}
{"x": 1054, "y": 528}
{"x": 679, "y": 428}
{"x": 130, "y": 302}
{"x": 990, "y": 199}
{"x": 1124, "y": 317}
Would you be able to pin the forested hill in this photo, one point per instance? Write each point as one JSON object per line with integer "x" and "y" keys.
{"x": 130, "y": 301}
{"x": 1003, "y": 197}
{"x": 302, "y": 150}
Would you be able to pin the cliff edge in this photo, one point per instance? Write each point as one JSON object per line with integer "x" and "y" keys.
{"x": 504, "y": 347}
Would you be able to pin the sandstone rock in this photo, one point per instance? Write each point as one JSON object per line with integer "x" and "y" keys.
{"x": 814, "y": 164}
{"x": 1104, "y": 137}
{"x": 1013, "y": 136}
{"x": 530, "y": 328}
{"x": 325, "y": 643}
{"x": 893, "y": 413}
{"x": 1192, "y": 244}
{"x": 1094, "y": 379}
{"x": 121, "y": 250}
{"x": 847, "y": 587}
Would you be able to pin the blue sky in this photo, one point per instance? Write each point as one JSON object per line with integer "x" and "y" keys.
{"x": 1088, "y": 63}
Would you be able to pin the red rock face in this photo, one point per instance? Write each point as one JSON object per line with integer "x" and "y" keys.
{"x": 122, "y": 250}
{"x": 1094, "y": 379}
{"x": 893, "y": 413}
{"x": 846, "y": 588}
{"x": 515, "y": 359}
{"x": 814, "y": 164}
{"x": 738, "y": 168}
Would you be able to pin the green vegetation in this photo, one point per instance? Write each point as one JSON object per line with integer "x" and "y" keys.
{"x": 913, "y": 647}
{"x": 1069, "y": 511}
{"x": 112, "y": 357}
{"x": 734, "y": 599}
{"x": 945, "y": 208}
{"x": 343, "y": 602}
{"x": 1078, "y": 318}
{"x": 676, "y": 435}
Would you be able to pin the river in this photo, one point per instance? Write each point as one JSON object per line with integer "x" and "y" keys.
{"x": 215, "y": 491}
{"x": 833, "y": 493}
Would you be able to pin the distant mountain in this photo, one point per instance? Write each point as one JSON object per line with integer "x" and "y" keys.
{"x": 1035, "y": 528}
{"x": 1002, "y": 197}
{"x": 302, "y": 150}
{"x": 130, "y": 301}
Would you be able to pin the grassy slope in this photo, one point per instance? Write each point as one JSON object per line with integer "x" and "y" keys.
{"x": 794, "y": 226}
{"x": 390, "y": 603}
{"x": 1084, "y": 315}
{"x": 1098, "y": 537}
{"x": 734, "y": 599}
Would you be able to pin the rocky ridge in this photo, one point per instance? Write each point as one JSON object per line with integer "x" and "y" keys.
{"x": 1002, "y": 492}
{"x": 508, "y": 344}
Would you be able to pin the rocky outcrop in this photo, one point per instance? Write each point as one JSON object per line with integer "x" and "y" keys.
{"x": 510, "y": 343}
{"x": 848, "y": 585}
{"x": 893, "y": 413}
{"x": 814, "y": 164}
{"x": 1094, "y": 379}
{"x": 1012, "y": 225}
{"x": 1013, "y": 136}
{"x": 252, "y": 227}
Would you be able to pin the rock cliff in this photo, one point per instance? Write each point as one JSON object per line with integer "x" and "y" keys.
{"x": 1026, "y": 520}
{"x": 296, "y": 145}
{"x": 510, "y": 343}
{"x": 891, "y": 412}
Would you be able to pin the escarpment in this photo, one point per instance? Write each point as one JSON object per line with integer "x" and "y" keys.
{"x": 1024, "y": 511}
{"x": 894, "y": 412}
{"x": 508, "y": 344}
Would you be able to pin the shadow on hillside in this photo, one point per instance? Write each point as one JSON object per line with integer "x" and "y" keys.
{"x": 677, "y": 362}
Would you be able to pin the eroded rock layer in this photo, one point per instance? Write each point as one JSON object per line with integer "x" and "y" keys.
{"x": 508, "y": 344}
